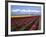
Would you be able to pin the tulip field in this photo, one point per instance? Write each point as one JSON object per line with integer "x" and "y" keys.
{"x": 25, "y": 23}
